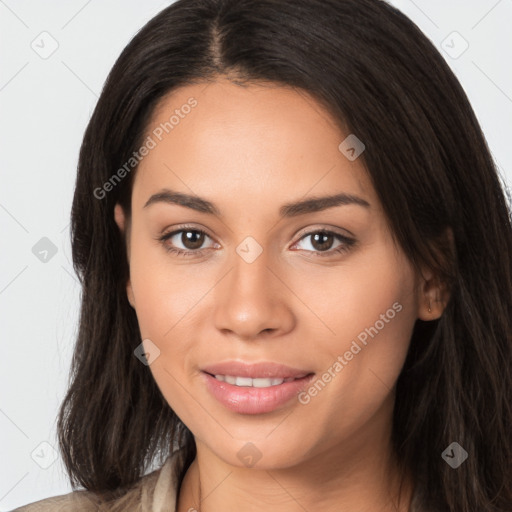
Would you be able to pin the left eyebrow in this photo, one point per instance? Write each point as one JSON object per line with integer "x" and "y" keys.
{"x": 310, "y": 205}
{"x": 316, "y": 204}
{"x": 187, "y": 200}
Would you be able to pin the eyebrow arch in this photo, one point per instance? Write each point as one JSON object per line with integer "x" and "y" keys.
{"x": 310, "y": 205}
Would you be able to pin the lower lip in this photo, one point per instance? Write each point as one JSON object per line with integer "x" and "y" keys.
{"x": 251, "y": 400}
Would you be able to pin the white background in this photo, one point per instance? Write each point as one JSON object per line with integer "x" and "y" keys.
{"x": 45, "y": 106}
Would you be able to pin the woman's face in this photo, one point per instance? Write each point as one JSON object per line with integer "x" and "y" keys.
{"x": 319, "y": 288}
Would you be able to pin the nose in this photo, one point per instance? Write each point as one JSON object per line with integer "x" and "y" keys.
{"x": 253, "y": 301}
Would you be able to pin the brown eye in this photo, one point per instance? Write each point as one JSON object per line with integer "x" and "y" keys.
{"x": 322, "y": 240}
{"x": 192, "y": 239}
{"x": 321, "y": 243}
{"x": 185, "y": 241}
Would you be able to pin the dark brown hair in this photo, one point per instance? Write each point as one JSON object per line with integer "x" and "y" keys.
{"x": 429, "y": 162}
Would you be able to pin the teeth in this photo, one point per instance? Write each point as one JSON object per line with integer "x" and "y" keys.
{"x": 243, "y": 381}
{"x": 248, "y": 382}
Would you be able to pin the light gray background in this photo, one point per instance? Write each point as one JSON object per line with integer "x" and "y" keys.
{"x": 45, "y": 106}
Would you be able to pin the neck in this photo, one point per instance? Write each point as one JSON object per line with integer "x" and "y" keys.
{"x": 359, "y": 474}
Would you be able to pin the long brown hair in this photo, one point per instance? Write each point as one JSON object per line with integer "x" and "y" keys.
{"x": 429, "y": 162}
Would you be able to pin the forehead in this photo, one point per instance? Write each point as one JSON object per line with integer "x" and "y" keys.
{"x": 261, "y": 140}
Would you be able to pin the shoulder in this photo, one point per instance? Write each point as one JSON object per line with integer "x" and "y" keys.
{"x": 147, "y": 495}
{"x": 81, "y": 501}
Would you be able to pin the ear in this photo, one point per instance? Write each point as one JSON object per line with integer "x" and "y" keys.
{"x": 433, "y": 294}
{"x": 432, "y": 298}
{"x": 120, "y": 219}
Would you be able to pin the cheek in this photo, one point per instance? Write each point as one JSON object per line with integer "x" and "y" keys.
{"x": 372, "y": 318}
{"x": 168, "y": 300}
{"x": 373, "y": 290}
{"x": 165, "y": 293}
{"x": 165, "y": 296}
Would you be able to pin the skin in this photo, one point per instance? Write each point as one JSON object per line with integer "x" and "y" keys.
{"x": 250, "y": 150}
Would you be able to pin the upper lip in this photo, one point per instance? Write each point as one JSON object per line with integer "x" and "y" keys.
{"x": 255, "y": 370}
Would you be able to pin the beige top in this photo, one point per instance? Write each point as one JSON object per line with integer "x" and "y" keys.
{"x": 154, "y": 492}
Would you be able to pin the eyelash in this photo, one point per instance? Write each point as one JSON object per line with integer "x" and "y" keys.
{"x": 348, "y": 242}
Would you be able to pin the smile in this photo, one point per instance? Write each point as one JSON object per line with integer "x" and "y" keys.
{"x": 256, "y": 383}
{"x": 246, "y": 395}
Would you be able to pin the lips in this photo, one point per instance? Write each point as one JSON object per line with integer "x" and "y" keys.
{"x": 254, "y": 388}
{"x": 256, "y": 400}
{"x": 262, "y": 370}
